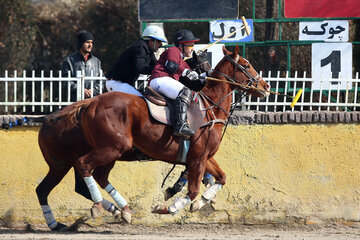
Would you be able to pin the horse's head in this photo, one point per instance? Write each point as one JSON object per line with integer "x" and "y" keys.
{"x": 199, "y": 62}
{"x": 238, "y": 69}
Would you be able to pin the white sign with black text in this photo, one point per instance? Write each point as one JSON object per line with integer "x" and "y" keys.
{"x": 329, "y": 31}
{"x": 331, "y": 60}
{"x": 221, "y": 28}
{"x": 215, "y": 53}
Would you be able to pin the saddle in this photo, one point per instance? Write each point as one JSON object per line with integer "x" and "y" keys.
{"x": 161, "y": 109}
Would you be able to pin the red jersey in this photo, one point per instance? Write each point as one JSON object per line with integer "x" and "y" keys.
{"x": 171, "y": 54}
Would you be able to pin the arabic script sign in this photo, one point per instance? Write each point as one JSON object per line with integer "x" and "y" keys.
{"x": 329, "y": 31}
{"x": 222, "y": 28}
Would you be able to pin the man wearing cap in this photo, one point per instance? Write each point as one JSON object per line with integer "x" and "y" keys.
{"x": 83, "y": 61}
{"x": 167, "y": 73}
{"x": 136, "y": 59}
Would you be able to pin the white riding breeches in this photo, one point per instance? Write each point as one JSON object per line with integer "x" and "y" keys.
{"x": 113, "y": 85}
{"x": 167, "y": 86}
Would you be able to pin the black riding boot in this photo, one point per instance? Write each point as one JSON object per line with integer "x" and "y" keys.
{"x": 181, "y": 104}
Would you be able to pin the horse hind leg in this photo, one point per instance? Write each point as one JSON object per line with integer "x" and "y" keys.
{"x": 52, "y": 179}
{"x": 101, "y": 175}
{"x": 91, "y": 161}
{"x": 82, "y": 189}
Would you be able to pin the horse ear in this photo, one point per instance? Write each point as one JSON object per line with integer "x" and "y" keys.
{"x": 237, "y": 49}
{"x": 194, "y": 55}
{"x": 225, "y": 51}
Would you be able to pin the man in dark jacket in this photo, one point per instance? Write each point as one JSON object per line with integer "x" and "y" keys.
{"x": 82, "y": 61}
{"x": 136, "y": 59}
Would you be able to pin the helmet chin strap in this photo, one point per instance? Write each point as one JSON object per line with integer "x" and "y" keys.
{"x": 154, "y": 45}
{"x": 183, "y": 50}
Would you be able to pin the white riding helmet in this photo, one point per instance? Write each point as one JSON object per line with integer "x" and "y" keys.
{"x": 155, "y": 32}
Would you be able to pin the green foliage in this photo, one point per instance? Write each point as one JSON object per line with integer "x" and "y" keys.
{"x": 114, "y": 25}
{"x": 17, "y": 34}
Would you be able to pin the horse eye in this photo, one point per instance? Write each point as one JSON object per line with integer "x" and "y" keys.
{"x": 247, "y": 66}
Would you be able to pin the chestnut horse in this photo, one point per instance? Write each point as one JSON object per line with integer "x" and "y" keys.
{"x": 100, "y": 130}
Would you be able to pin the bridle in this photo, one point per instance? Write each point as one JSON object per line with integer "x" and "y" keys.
{"x": 201, "y": 66}
{"x": 251, "y": 79}
{"x": 237, "y": 66}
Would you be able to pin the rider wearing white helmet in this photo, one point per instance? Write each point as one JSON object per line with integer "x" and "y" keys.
{"x": 136, "y": 59}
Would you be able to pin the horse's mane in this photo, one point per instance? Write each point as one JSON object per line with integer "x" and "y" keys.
{"x": 70, "y": 113}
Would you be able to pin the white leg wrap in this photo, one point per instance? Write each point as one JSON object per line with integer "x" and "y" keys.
{"x": 93, "y": 188}
{"x": 120, "y": 201}
{"x": 211, "y": 192}
{"x": 108, "y": 206}
{"x": 49, "y": 217}
{"x": 179, "y": 204}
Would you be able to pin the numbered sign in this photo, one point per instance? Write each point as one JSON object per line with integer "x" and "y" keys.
{"x": 331, "y": 61}
{"x": 222, "y": 28}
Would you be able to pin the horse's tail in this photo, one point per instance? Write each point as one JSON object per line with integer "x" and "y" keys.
{"x": 72, "y": 112}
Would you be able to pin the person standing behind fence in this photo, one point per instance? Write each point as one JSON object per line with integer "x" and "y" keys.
{"x": 271, "y": 63}
{"x": 84, "y": 61}
{"x": 136, "y": 59}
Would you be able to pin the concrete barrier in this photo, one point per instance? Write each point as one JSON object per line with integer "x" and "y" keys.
{"x": 275, "y": 173}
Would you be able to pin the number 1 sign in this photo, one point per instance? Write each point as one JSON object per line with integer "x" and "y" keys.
{"x": 331, "y": 60}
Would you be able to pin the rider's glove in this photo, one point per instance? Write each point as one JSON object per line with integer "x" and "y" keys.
{"x": 202, "y": 77}
{"x": 192, "y": 75}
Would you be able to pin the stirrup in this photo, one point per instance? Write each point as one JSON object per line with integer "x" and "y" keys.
{"x": 184, "y": 131}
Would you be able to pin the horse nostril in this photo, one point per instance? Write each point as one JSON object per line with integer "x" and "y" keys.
{"x": 267, "y": 86}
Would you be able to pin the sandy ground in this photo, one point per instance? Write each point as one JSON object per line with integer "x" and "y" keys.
{"x": 188, "y": 231}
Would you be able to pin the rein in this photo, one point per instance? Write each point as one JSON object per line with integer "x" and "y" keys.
{"x": 232, "y": 80}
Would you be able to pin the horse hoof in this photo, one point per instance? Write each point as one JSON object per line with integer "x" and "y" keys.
{"x": 96, "y": 210}
{"x": 75, "y": 226}
{"x": 168, "y": 194}
{"x": 160, "y": 210}
{"x": 196, "y": 205}
{"x": 213, "y": 200}
{"x": 59, "y": 227}
{"x": 116, "y": 214}
{"x": 126, "y": 214}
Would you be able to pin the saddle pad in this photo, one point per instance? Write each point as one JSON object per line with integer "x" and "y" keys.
{"x": 164, "y": 115}
{"x": 160, "y": 113}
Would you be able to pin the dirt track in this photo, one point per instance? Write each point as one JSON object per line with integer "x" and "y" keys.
{"x": 189, "y": 231}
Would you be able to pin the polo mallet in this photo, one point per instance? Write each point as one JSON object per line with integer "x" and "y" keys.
{"x": 247, "y": 30}
{"x": 295, "y": 99}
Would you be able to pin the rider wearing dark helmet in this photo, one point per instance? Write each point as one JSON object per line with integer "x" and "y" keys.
{"x": 167, "y": 73}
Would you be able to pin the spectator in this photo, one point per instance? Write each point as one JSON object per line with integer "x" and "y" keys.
{"x": 136, "y": 59}
{"x": 82, "y": 61}
{"x": 271, "y": 63}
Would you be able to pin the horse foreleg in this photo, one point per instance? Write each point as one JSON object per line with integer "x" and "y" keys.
{"x": 195, "y": 174}
{"x": 101, "y": 175}
{"x": 209, "y": 194}
{"x": 54, "y": 176}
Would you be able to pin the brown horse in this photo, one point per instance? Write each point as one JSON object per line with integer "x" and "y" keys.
{"x": 100, "y": 130}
